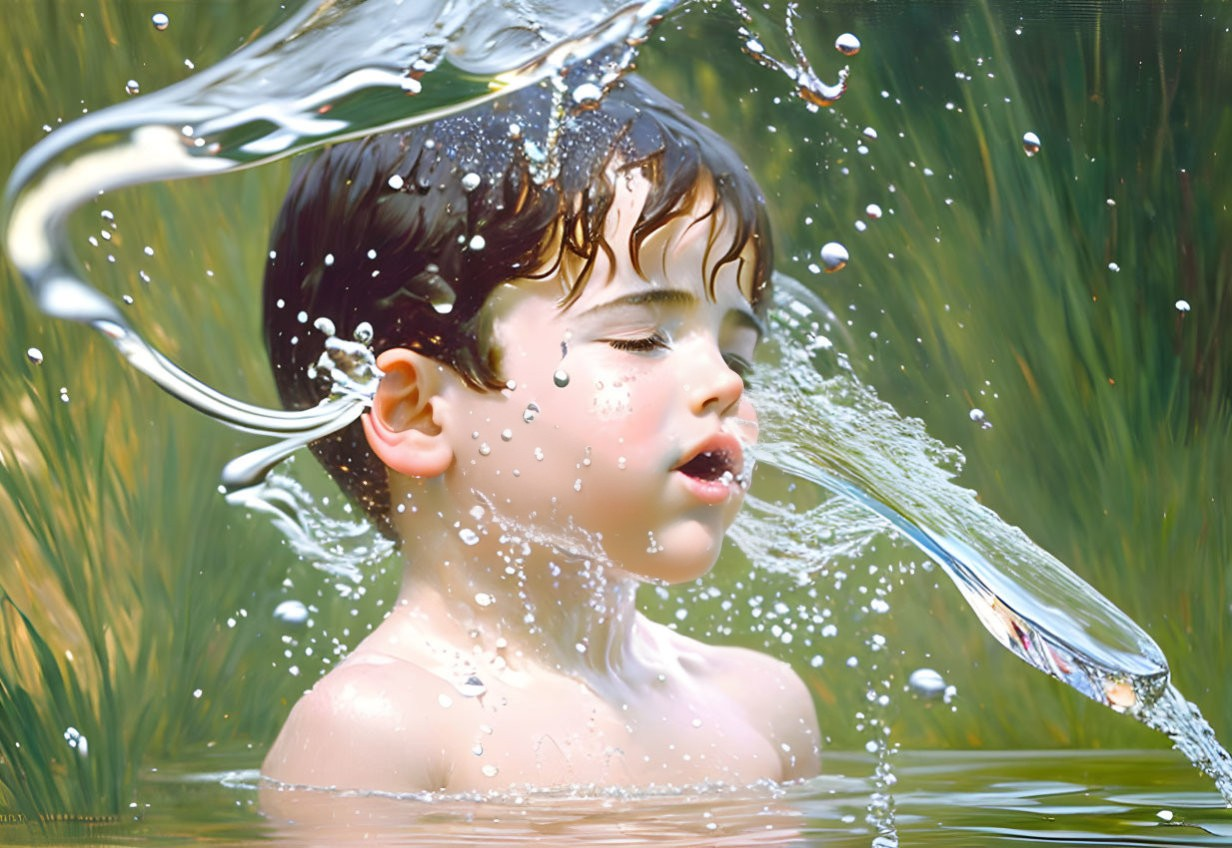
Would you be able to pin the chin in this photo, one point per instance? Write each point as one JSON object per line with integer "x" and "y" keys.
{"x": 680, "y": 554}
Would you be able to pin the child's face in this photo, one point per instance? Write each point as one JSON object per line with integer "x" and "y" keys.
{"x": 625, "y": 421}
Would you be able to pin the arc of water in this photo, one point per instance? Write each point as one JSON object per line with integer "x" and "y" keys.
{"x": 286, "y": 92}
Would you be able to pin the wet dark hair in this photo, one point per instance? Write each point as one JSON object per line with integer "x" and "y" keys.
{"x": 411, "y": 231}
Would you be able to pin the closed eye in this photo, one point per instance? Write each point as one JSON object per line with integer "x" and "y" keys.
{"x": 646, "y": 344}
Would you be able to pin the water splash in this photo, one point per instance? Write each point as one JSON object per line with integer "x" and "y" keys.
{"x": 821, "y": 425}
{"x": 329, "y": 72}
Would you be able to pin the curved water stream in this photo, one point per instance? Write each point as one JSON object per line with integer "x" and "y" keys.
{"x": 337, "y": 70}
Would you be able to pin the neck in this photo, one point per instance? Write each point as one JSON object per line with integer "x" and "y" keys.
{"x": 521, "y": 598}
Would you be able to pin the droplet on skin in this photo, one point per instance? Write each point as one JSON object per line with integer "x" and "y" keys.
{"x": 160, "y": 21}
{"x": 560, "y": 378}
{"x": 484, "y": 599}
{"x": 35, "y": 355}
{"x": 291, "y": 612}
{"x": 834, "y": 256}
{"x": 1030, "y": 144}
{"x": 926, "y": 683}
{"x": 506, "y": 435}
{"x": 485, "y": 449}
{"x": 444, "y": 700}
{"x": 847, "y": 44}
{"x": 468, "y": 536}
{"x": 490, "y": 771}
{"x": 471, "y": 687}
{"x": 531, "y": 412}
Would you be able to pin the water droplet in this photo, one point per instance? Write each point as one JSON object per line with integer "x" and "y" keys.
{"x": 477, "y": 749}
{"x": 873, "y": 211}
{"x": 291, "y": 612}
{"x": 539, "y": 454}
{"x": 1164, "y": 815}
{"x": 132, "y": 87}
{"x": 471, "y": 687}
{"x": 1113, "y": 267}
{"x": 324, "y": 325}
{"x": 468, "y": 536}
{"x": 847, "y": 44}
{"x": 506, "y": 435}
{"x": 64, "y": 398}
{"x": 396, "y": 182}
{"x": 1030, "y": 144}
{"x": 697, "y": 722}
{"x": 470, "y": 181}
{"x": 363, "y": 332}
{"x": 197, "y": 693}
{"x": 560, "y": 378}
{"x": 484, "y": 599}
{"x": 926, "y": 683}
{"x": 869, "y": 132}
{"x": 532, "y": 411}
{"x": 879, "y": 605}
{"x": 621, "y": 463}
{"x": 577, "y": 485}
{"x": 1181, "y": 306}
{"x": 490, "y": 771}
{"x": 977, "y": 415}
{"x": 587, "y": 95}
{"x": 834, "y": 256}
{"x": 478, "y": 242}
{"x": 35, "y": 355}
{"x": 444, "y": 700}
{"x": 160, "y": 21}
{"x": 485, "y": 449}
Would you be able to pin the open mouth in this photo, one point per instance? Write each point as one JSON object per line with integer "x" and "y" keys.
{"x": 711, "y": 465}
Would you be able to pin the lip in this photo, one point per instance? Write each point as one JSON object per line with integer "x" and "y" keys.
{"x": 728, "y": 451}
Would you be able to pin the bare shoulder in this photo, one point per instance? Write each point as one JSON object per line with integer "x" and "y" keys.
{"x": 364, "y": 725}
{"x": 770, "y": 691}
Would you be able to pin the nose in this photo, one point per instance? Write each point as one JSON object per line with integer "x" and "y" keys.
{"x": 714, "y": 386}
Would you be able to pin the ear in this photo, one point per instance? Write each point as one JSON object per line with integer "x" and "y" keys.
{"x": 403, "y": 428}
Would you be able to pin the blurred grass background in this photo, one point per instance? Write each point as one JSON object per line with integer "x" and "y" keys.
{"x": 136, "y": 607}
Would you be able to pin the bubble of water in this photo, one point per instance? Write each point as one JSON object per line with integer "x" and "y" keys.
{"x": 132, "y": 87}
{"x": 587, "y": 95}
{"x": 291, "y": 612}
{"x": 1181, "y": 306}
{"x": 926, "y": 683}
{"x": 1030, "y": 143}
{"x": 34, "y": 355}
{"x": 560, "y": 378}
{"x": 873, "y": 211}
{"x": 160, "y": 21}
{"x": 847, "y": 44}
{"x": 834, "y": 256}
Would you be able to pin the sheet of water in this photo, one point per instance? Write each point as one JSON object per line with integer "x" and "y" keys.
{"x": 336, "y": 71}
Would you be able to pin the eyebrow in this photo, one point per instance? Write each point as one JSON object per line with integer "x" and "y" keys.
{"x": 673, "y": 297}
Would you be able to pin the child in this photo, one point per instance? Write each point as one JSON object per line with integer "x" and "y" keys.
{"x": 563, "y": 301}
